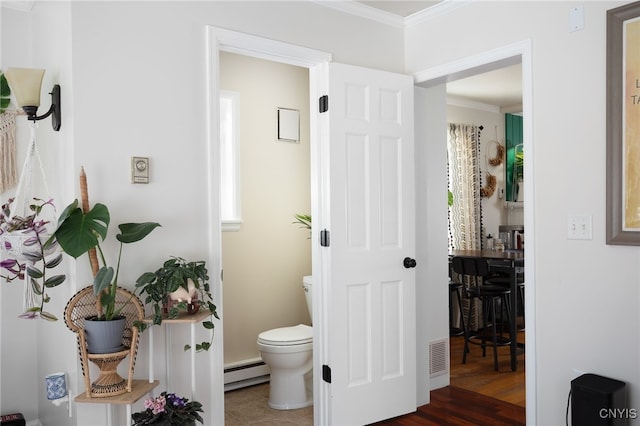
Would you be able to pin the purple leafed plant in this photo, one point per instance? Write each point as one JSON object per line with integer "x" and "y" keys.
{"x": 30, "y": 254}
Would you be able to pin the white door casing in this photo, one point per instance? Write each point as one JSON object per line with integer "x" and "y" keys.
{"x": 371, "y": 295}
{"x": 381, "y": 301}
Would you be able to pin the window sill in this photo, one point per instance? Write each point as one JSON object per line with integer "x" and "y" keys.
{"x": 231, "y": 225}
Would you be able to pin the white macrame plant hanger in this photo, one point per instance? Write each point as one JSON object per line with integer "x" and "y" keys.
{"x": 20, "y": 207}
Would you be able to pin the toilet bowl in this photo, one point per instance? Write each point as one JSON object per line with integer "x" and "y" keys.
{"x": 288, "y": 351}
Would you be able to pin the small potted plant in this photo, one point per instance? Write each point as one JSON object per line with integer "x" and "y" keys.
{"x": 304, "y": 220}
{"x": 168, "y": 409}
{"x": 181, "y": 286}
{"x": 30, "y": 253}
{"x": 79, "y": 233}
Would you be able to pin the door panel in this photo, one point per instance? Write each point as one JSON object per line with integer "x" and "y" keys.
{"x": 371, "y": 339}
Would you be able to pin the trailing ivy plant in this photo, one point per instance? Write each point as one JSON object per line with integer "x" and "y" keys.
{"x": 38, "y": 254}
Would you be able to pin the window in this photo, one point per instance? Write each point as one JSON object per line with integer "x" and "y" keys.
{"x": 229, "y": 168}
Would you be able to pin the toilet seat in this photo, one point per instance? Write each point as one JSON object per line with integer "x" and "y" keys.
{"x": 287, "y": 336}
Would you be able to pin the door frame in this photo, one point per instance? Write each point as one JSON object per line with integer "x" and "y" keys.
{"x": 497, "y": 58}
{"x": 317, "y": 62}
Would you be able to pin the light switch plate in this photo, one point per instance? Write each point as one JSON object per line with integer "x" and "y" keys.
{"x": 139, "y": 169}
{"x": 579, "y": 227}
{"x": 576, "y": 18}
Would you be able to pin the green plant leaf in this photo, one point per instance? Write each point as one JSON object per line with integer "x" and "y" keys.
{"x": 54, "y": 281}
{"x": 32, "y": 256}
{"x": 34, "y": 272}
{"x": 5, "y": 90}
{"x": 47, "y": 316}
{"x": 54, "y": 262}
{"x": 78, "y": 232}
{"x": 35, "y": 286}
{"x": 132, "y": 232}
{"x": 102, "y": 279}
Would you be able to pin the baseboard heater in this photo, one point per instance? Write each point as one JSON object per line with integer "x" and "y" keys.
{"x": 245, "y": 373}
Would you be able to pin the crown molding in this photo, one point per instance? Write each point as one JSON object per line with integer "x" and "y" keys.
{"x": 466, "y": 103}
{"x": 368, "y": 12}
{"x": 363, "y": 11}
{"x": 442, "y": 8}
{"x": 21, "y": 5}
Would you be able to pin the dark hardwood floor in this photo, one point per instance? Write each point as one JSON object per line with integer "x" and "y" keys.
{"x": 454, "y": 406}
{"x": 477, "y": 395}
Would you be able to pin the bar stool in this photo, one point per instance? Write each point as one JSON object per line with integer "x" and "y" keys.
{"x": 455, "y": 289}
{"x": 497, "y": 277}
{"x": 473, "y": 270}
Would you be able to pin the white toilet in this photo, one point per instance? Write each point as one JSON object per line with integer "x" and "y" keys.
{"x": 288, "y": 353}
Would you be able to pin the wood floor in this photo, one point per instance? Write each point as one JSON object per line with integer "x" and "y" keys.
{"x": 478, "y": 395}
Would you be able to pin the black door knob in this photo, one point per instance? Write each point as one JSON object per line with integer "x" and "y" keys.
{"x": 409, "y": 262}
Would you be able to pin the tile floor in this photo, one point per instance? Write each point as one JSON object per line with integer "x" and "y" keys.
{"x": 248, "y": 407}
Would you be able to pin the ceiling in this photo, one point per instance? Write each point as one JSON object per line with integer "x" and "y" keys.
{"x": 500, "y": 88}
{"x": 401, "y": 8}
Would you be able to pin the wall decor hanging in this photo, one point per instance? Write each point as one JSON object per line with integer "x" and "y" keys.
{"x": 623, "y": 125}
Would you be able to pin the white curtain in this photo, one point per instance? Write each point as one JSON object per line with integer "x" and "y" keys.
{"x": 465, "y": 214}
{"x": 465, "y": 227}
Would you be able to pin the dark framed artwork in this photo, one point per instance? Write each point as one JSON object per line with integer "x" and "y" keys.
{"x": 623, "y": 125}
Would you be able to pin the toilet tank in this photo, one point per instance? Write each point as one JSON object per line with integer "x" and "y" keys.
{"x": 307, "y": 282}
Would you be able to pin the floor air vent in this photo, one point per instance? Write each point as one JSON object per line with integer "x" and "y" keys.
{"x": 439, "y": 357}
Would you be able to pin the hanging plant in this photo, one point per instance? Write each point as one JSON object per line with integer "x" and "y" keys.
{"x": 5, "y": 92}
{"x": 32, "y": 252}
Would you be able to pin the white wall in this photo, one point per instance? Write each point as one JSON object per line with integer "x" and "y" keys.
{"x": 33, "y": 349}
{"x": 133, "y": 84}
{"x": 265, "y": 260}
{"x": 136, "y": 87}
{"x": 586, "y": 292}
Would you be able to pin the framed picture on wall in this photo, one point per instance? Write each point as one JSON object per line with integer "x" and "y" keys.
{"x": 288, "y": 125}
{"x": 623, "y": 125}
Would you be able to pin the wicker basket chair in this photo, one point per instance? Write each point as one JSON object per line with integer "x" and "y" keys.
{"x": 108, "y": 383}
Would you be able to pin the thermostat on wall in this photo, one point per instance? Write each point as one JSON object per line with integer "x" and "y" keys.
{"x": 139, "y": 169}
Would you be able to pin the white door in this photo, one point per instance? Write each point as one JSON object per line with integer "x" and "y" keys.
{"x": 370, "y": 347}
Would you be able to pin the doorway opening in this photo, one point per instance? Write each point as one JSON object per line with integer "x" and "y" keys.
{"x": 267, "y": 255}
{"x": 518, "y": 53}
{"x": 221, "y": 40}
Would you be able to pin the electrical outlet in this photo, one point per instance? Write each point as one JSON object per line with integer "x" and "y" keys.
{"x": 579, "y": 227}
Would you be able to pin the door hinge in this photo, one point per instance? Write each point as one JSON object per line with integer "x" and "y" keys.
{"x": 326, "y": 373}
{"x": 325, "y": 238}
{"x": 324, "y": 103}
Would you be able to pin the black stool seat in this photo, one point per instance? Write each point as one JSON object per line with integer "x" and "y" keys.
{"x": 474, "y": 270}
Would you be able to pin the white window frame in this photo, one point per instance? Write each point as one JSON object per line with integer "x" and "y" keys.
{"x": 230, "y": 212}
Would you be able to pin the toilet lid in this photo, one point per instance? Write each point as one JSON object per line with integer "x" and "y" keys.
{"x": 287, "y": 336}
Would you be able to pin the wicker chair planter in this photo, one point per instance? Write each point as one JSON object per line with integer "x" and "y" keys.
{"x": 109, "y": 382}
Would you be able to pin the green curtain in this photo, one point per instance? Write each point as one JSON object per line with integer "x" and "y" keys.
{"x": 513, "y": 144}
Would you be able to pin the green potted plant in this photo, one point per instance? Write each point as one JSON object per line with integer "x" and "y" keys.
{"x": 80, "y": 232}
{"x": 182, "y": 286}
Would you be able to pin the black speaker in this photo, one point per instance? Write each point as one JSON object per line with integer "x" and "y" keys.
{"x": 597, "y": 400}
